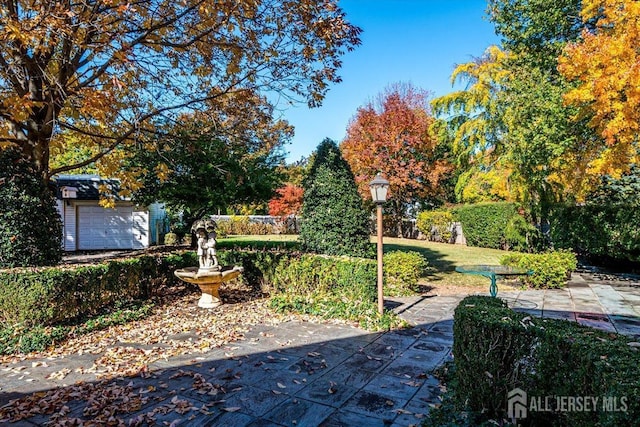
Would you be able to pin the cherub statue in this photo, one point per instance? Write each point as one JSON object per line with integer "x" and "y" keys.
{"x": 206, "y": 233}
{"x": 211, "y": 249}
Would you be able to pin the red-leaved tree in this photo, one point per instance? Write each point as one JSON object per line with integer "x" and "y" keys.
{"x": 392, "y": 135}
{"x": 287, "y": 202}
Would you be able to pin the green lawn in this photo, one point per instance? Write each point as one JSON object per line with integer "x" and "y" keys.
{"x": 280, "y": 238}
{"x": 442, "y": 257}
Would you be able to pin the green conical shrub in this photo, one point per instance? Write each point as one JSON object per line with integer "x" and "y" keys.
{"x": 334, "y": 221}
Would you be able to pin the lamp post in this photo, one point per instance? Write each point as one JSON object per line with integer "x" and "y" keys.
{"x": 379, "y": 187}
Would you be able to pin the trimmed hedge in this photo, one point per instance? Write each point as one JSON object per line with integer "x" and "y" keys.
{"x": 602, "y": 231}
{"x": 497, "y": 350}
{"x": 354, "y": 278}
{"x": 241, "y": 225}
{"x": 307, "y": 274}
{"x": 37, "y": 306}
{"x": 402, "y": 270}
{"x": 257, "y": 245}
{"x": 484, "y": 224}
{"x": 331, "y": 287}
{"x": 48, "y": 296}
{"x": 32, "y": 299}
{"x": 550, "y": 269}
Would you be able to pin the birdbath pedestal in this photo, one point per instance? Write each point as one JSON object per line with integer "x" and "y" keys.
{"x": 209, "y": 281}
{"x": 209, "y": 275}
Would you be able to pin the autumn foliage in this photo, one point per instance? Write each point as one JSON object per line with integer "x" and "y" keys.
{"x": 606, "y": 65}
{"x": 393, "y": 136}
{"x": 105, "y": 73}
{"x": 287, "y": 202}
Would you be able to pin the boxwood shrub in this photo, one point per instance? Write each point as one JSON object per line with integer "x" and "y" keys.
{"x": 37, "y": 305}
{"x": 402, "y": 270}
{"x": 47, "y": 296}
{"x": 35, "y": 299}
{"x": 550, "y": 269}
{"x": 484, "y": 224}
{"x": 497, "y": 350}
{"x": 602, "y": 232}
{"x": 308, "y": 274}
{"x": 330, "y": 287}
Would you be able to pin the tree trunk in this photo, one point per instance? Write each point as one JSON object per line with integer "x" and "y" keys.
{"x": 397, "y": 216}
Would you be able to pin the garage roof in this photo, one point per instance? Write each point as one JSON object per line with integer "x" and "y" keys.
{"x": 87, "y": 186}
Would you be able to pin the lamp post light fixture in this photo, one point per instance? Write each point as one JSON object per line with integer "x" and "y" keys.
{"x": 379, "y": 188}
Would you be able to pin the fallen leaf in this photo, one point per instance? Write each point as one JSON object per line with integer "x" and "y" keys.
{"x": 59, "y": 375}
{"x": 231, "y": 409}
{"x": 332, "y": 387}
{"x": 281, "y": 385}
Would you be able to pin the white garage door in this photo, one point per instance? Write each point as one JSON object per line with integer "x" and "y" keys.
{"x": 100, "y": 228}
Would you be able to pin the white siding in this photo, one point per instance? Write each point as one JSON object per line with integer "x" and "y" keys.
{"x": 70, "y": 234}
{"x": 140, "y": 229}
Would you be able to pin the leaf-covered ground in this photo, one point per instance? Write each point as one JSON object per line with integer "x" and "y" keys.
{"x": 163, "y": 333}
{"x": 176, "y": 327}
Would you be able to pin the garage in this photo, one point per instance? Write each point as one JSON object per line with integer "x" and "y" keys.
{"x": 89, "y": 226}
{"x": 100, "y": 228}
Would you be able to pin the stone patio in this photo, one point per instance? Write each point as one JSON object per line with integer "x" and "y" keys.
{"x": 308, "y": 374}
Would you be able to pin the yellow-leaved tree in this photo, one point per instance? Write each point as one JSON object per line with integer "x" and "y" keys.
{"x": 605, "y": 63}
{"x": 101, "y": 75}
{"x": 473, "y": 119}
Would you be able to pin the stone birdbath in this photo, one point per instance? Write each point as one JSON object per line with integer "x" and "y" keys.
{"x": 209, "y": 275}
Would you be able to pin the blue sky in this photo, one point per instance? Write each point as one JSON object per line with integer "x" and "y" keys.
{"x": 416, "y": 41}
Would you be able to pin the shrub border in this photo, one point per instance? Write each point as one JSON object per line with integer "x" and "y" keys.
{"x": 497, "y": 350}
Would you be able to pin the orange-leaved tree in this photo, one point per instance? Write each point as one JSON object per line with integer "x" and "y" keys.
{"x": 393, "y": 136}
{"x": 287, "y": 202}
{"x": 103, "y": 73}
{"x": 605, "y": 63}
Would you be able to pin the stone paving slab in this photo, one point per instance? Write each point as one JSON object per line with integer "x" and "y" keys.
{"x": 307, "y": 374}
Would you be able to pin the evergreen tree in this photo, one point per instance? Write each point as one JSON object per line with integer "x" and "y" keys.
{"x": 334, "y": 221}
{"x": 30, "y": 226}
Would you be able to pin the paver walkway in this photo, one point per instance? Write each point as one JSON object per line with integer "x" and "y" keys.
{"x": 307, "y": 374}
